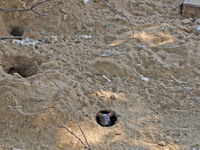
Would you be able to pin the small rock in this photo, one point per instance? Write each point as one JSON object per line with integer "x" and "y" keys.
{"x": 114, "y": 96}
{"x": 18, "y": 106}
{"x": 63, "y": 11}
{"x": 88, "y": 74}
{"x": 65, "y": 17}
{"x": 186, "y": 21}
{"x": 107, "y": 53}
{"x": 53, "y": 39}
{"x": 162, "y": 143}
{"x": 17, "y": 75}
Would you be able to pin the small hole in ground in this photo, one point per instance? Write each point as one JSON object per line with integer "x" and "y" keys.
{"x": 106, "y": 118}
{"x": 21, "y": 71}
{"x": 16, "y": 31}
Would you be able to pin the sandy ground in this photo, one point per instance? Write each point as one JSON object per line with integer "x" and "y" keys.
{"x": 154, "y": 115}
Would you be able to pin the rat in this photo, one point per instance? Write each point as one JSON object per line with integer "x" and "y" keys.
{"x": 104, "y": 119}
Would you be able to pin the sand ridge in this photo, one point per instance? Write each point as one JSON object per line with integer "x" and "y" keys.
{"x": 154, "y": 115}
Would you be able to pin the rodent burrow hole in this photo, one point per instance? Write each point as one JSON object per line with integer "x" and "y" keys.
{"x": 22, "y": 71}
{"x": 16, "y": 31}
{"x": 111, "y": 114}
{"x": 23, "y": 65}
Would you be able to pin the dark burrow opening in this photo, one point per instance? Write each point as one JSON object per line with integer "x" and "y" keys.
{"x": 106, "y": 118}
{"x": 21, "y": 71}
{"x": 16, "y": 31}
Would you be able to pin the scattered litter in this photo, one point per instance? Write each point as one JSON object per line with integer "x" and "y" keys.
{"x": 53, "y": 39}
{"x": 162, "y": 143}
{"x": 192, "y": 19}
{"x": 16, "y": 149}
{"x": 189, "y": 89}
{"x": 142, "y": 46}
{"x": 102, "y": 10}
{"x": 162, "y": 28}
{"x": 107, "y": 53}
{"x": 18, "y": 106}
{"x": 60, "y": 146}
{"x": 144, "y": 78}
{"x": 86, "y": 36}
{"x": 132, "y": 79}
{"x": 65, "y": 17}
{"x": 27, "y": 41}
{"x": 194, "y": 148}
{"x": 106, "y": 78}
{"x": 43, "y": 32}
{"x": 198, "y": 29}
{"x": 85, "y": 1}
{"x": 63, "y": 11}
{"x": 106, "y": 25}
{"x": 45, "y": 40}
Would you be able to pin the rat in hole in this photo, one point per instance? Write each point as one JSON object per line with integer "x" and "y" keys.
{"x": 104, "y": 119}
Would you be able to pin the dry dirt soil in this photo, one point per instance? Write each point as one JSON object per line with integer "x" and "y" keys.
{"x": 85, "y": 42}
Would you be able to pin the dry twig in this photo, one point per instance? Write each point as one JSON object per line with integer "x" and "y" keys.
{"x": 131, "y": 25}
{"x": 184, "y": 88}
{"x": 29, "y": 9}
{"x": 11, "y": 37}
{"x": 45, "y": 74}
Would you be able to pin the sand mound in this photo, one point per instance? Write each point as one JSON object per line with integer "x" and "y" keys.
{"x": 87, "y": 43}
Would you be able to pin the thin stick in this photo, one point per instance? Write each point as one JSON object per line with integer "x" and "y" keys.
{"x": 185, "y": 88}
{"x": 29, "y": 9}
{"x": 63, "y": 126}
{"x": 11, "y": 37}
{"x": 44, "y": 73}
{"x": 131, "y": 25}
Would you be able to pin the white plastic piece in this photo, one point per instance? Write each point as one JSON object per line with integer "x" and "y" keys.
{"x": 144, "y": 78}
{"x": 85, "y": 1}
{"x": 198, "y": 29}
{"x": 87, "y": 36}
{"x": 27, "y": 41}
{"x": 106, "y": 78}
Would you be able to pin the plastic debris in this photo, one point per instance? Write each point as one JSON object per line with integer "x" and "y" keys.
{"x": 107, "y": 53}
{"x": 16, "y": 149}
{"x": 142, "y": 46}
{"x": 60, "y": 146}
{"x": 43, "y": 32}
{"x": 192, "y": 19}
{"x": 106, "y": 25}
{"x": 108, "y": 80}
{"x": 85, "y": 1}
{"x": 198, "y": 29}
{"x": 45, "y": 40}
{"x": 162, "y": 28}
{"x": 18, "y": 106}
{"x": 63, "y": 11}
{"x": 53, "y": 39}
{"x": 144, "y": 78}
{"x": 87, "y": 36}
{"x": 27, "y": 42}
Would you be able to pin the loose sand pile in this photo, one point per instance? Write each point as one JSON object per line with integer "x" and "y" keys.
{"x": 154, "y": 115}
